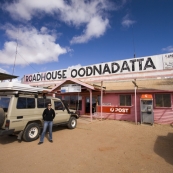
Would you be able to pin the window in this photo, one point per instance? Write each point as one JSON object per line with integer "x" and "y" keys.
{"x": 163, "y": 100}
{"x": 60, "y": 97}
{"x": 99, "y": 100}
{"x": 58, "y": 105}
{"x": 73, "y": 102}
{"x": 42, "y": 103}
{"x": 125, "y": 100}
{"x": 4, "y": 102}
{"x": 30, "y": 102}
{"x": 25, "y": 103}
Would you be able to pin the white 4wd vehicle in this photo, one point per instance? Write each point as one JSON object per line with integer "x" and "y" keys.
{"x": 21, "y": 111}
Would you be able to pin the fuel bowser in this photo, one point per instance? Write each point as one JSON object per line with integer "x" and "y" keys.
{"x": 146, "y": 105}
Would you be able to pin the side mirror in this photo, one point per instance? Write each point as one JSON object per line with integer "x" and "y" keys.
{"x": 63, "y": 108}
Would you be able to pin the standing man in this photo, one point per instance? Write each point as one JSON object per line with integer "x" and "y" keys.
{"x": 48, "y": 116}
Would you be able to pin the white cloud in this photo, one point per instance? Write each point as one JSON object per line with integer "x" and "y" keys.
{"x": 73, "y": 12}
{"x": 127, "y": 22}
{"x": 168, "y": 49}
{"x": 95, "y": 28}
{"x": 16, "y": 80}
{"x": 75, "y": 66}
{"x": 3, "y": 71}
{"x": 33, "y": 46}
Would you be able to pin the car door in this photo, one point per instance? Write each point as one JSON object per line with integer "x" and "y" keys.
{"x": 61, "y": 114}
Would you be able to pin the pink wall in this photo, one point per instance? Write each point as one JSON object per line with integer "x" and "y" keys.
{"x": 114, "y": 100}
{"x": 164, "y": 115}
{"x": 161, "y": 115}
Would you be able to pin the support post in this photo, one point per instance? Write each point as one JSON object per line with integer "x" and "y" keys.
{"x": 101, "y": 99}
{"x": 135, "y": 108}
{"x": 91, "y": 104}
{"x": 136, "y": 86}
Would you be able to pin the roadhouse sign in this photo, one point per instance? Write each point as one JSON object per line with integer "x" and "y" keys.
{"x": 142, "y": 64}
{"x": 110, "y": 109}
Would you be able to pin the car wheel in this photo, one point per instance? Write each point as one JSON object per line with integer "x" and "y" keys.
{"x": 72, "y": 123}
{"x": 2, "y": 117}
{"x": 31, "y": 132}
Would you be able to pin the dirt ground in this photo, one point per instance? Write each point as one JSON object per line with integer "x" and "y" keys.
{"x": 106, "y": 146}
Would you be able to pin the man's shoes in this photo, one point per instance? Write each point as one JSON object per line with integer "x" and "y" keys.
{"x": 40, "y": 143}
{"x": 51, "y": 141}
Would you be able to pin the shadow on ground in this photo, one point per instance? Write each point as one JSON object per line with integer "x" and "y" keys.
{"x": 7, "y": 139}
{"x": 164, "y": 147}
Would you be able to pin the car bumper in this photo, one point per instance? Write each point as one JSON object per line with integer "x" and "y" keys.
{"x": 6, "y": 132}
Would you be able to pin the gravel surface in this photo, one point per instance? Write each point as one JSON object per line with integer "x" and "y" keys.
{"x": 107, "y": 146}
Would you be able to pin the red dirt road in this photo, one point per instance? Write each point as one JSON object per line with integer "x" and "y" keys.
{"x": 101, "y": 146}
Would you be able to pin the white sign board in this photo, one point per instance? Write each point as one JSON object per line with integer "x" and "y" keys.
{"x": 168, "y": 61}
{"x": 70, "y": 88}
{"x": 64, "y": 90}
{"x": 126, "y": 68}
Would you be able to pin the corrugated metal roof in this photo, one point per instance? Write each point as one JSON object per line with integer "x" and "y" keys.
{"x": 123, "y": 85}
{"x": 4, "y": 76}
{"x": 147, "y": 84}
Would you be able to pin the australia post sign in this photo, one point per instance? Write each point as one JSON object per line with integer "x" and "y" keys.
{"x": 134, "y": 65}
{"x": 111, "y": 109}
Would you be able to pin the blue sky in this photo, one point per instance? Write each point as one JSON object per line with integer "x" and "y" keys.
{"x": 57, "y": 34}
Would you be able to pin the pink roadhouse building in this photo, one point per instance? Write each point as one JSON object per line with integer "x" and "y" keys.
{"x": 137, "y": 89}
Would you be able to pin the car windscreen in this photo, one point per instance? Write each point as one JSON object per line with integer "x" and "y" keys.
{"x": 4, "y": 103}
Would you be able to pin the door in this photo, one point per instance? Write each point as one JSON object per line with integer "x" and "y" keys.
{"x": 87, "y": 104}
{"x": 61, "y": 114}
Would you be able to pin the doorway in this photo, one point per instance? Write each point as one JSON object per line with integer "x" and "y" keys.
{"x": 94, "y": 104}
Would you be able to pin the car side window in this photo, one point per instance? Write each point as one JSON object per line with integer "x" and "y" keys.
{"x": 42, "y": 103}
{"x": 25, "y": 103}
{"x": 4, "y": 103}
{"x": 21, "y": 103}
{"x": 30, "y": 102}
{"x": 58, "y": 105}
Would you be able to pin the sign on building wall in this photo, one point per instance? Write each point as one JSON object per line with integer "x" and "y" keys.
{"x": 70, "y": 88}
{"x": 64, "y": 90}
{"x": 123, "y": 67}
{"x": 146, "y": 96}
{"x": 111, "y": 109}
{"x": 168, "y": 61}
{"x": 106, "y": 104}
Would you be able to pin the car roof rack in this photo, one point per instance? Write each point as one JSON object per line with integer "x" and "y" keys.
{"x": 18, "y": 88}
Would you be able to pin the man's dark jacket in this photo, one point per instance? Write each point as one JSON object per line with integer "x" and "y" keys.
{"x": 48, "y": 115}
